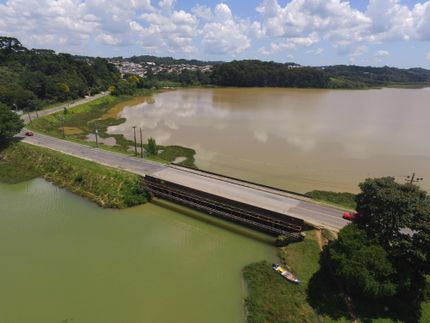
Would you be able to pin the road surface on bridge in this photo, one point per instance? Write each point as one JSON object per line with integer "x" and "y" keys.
{"x": 263, "y": 197}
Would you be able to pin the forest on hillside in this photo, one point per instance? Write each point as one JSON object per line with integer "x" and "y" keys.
{"x": 30, "y": 79}
{"x": 378, "y": 76}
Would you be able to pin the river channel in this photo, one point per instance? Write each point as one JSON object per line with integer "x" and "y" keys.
{"x": 64, "y": 259}
{"x": 295, "y": 139}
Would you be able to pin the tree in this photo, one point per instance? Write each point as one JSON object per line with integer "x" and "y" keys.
{"x": 152, "y": 147}
{"x": 385, "y": 251}
{"x": 10, "y": 124}
{"x": 123, "y": 88}
{"x": 398, "y": 216}
{"x": 10, "y": 44}
{"x": 362, "y": 264}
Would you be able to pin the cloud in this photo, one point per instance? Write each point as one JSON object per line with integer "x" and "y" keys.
{"x": 382, "y": 53}
{"x": 158, "y": 27}
{"x": 346, "y": 28}
{"x": 316, "y": 51}
{"x": 390, "y": 20}
{"x": 428, "y": 56}
{"x": 225, "y": 34}
{"x": 167, "y": 30}
{"x": 300, "y": 18}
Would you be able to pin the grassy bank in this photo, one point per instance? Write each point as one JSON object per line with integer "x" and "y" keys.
{"x": 318, "y": 298}
{"x": 273, "y": 299}
{"x": 343, "y": 200}
{"x": 81, "y": 122}
{"x": 106, "y": 186}
{"x": 13, "y": 174}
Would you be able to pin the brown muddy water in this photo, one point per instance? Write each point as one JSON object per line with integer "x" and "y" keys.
{"x": 292, "y": 138}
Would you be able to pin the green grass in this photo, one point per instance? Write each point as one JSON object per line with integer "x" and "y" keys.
{"x": 171, "y": 153}
{"x": 87, "y": 117}
{"x": 425, "y": 312}
{"x": 271, "y": 298}
{"x": 343, "y": 200}
{"x": 11, "y": 174}
{"x": 316, "y": 299}
{"x": 106, "y": 186}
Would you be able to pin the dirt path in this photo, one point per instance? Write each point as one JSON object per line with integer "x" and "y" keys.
{"x": 318, "y": 235}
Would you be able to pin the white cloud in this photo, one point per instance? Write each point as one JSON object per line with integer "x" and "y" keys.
{"x": 390, "y": 20}
{"x": 108, "y": 39}
{"x": 203, "y": 12}
{"x": 159, "y": 27}
{"x": 225, "y": 34}
{"x": 382, "y": 53}
{"x": 315, "y": 51}
{"x": 299, "y": 18}
{"x": 421, "y": 17}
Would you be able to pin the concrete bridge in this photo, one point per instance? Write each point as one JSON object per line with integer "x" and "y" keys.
{"x": 286, "y": 210}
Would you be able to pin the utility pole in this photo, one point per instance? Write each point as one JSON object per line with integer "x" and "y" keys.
{"x": 62, "y": 121}
{"x": 135, "y": 143}
{"x": 97, "y": 138}
{"x": 412, "y": 179}
{"x": 141, "y": 144}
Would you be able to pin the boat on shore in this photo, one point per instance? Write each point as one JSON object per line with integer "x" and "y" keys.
{"x": 285, "y": 273}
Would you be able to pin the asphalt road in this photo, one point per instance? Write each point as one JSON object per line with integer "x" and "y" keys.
{"x": 46, "y": 112}
{"x": 297, "y": 206}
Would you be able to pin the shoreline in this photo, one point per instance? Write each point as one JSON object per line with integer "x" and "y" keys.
{"x": 106, "y": 186}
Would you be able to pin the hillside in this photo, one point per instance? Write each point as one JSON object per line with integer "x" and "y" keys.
{"x": 378, "y": 76}
{"x": 33, "y": 78}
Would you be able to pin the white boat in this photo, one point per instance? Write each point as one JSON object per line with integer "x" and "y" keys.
{"x": 285, "y": 273}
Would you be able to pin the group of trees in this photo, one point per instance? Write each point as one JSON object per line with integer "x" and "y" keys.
{"x": 258, "y": 73}
{"x": 33, "y": 78}
{"x": 385, "y": 253}
{"x": 378, "y": 76}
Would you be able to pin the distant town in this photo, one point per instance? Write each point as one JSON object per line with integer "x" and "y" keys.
{"x": 144, "y": 69}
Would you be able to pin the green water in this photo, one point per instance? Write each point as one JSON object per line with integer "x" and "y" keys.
{"x": 63, "y": 259}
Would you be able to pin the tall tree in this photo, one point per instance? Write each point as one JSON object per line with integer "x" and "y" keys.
{"x": 362, "y": 264}
{"x": 10, "y": 124}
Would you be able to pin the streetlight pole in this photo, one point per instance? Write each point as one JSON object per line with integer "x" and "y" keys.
{"x": 135, "y": 143}
{"x": 62, "y": 122}
{"x": 141, "y": 144}
{"x": 97, "y": 138}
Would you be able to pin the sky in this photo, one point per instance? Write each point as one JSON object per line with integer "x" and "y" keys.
{"x": 308, "y": 32}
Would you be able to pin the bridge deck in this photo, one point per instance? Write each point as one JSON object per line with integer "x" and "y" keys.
{"x": 252, "y": 195}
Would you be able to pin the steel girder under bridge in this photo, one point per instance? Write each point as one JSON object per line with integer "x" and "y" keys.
{"x": 248, "y": 215}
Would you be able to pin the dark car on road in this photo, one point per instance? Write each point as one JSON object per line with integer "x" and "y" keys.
{"x": 29, "y": 133}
